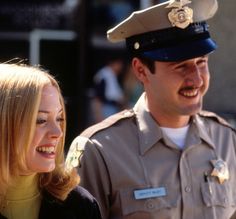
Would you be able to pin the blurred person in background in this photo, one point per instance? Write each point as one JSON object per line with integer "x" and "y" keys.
{"x": 108, "y": 93}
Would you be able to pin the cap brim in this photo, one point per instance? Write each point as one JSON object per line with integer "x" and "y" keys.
{"x": 184, "y": 51}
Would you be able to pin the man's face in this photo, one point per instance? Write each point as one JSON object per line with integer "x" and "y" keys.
{"x": 177, "y": 88}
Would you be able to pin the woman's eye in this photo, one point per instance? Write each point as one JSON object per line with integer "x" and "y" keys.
{"x": 60, "y": 119}
{"x": 40, "y": 121}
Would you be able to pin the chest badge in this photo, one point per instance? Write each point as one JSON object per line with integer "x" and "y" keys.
{"x": 220, "y": 170}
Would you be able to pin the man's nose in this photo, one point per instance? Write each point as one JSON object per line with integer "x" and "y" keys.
{"x": 194, "y": 79}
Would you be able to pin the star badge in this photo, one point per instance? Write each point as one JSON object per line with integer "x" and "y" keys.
{"x": 220, "y": 170}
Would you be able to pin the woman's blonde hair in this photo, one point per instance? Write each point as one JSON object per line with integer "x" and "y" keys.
{"x": 20, "y": 94}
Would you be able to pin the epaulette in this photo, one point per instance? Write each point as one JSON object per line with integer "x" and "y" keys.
{"x": 216, "y": 118}
{"x": 107, "y": 122}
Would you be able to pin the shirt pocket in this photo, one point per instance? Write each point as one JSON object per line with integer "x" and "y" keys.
{"x": 219, "y": 199}
{"x": 167, "y": 203}
{"x": 215, "y": 194}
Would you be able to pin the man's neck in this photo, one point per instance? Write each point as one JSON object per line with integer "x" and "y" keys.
{"x": 170, "y": 121}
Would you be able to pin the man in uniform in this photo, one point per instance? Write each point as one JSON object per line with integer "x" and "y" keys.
{"x": 165, "y": 158}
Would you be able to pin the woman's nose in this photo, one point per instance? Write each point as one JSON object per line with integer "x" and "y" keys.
{"x": 55, "y": 131}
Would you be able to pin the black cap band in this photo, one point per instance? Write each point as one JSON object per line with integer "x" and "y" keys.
{"x": 167, "y": 37}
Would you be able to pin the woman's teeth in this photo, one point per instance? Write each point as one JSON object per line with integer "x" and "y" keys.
{"x": 46, "y": 149}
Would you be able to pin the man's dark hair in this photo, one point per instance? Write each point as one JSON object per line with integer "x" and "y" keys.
{"x": 149, "y": 63}
{"x": 146, "y": 61}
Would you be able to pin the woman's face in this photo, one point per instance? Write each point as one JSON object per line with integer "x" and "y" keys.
{"x": 42, "y": 152}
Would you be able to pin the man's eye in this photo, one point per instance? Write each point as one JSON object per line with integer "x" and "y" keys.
{"x": 202, "y": 62}
{"x": 40, "y": 121}
{"x": 180, "y": 67}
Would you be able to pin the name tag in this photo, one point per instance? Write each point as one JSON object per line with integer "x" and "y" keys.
{"x": 149, "y": 193}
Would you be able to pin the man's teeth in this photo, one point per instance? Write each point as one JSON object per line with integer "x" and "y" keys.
{"x": 46, "y": 149}
{"x": 190, "y": 94}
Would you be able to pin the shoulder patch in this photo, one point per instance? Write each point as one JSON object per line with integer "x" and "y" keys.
{"x": 107, "y": 122}
{"x": 217, "y": 118}
{"x": 75, "y": 152}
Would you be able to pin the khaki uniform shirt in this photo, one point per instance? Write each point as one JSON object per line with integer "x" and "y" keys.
{"x": 136, "y": 172}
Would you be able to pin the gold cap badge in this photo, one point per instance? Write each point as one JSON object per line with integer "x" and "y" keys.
{"x": 180, "y": 16}
{"x": 220, "y": 170}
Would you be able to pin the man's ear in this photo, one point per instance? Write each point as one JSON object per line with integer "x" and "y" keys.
{"x": 140, "y": 70}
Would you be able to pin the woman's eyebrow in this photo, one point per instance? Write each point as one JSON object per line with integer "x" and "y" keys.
{"x": 45, "y": 111}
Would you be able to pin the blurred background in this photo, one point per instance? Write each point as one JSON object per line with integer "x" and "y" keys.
{"x": 68, "y": 38}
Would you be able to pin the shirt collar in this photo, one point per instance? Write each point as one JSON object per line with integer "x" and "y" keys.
{"x": 202, "y": 130}
{"x": 150, "y": 132}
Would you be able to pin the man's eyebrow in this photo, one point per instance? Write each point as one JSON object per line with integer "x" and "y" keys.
{"x": 174, "y": 63}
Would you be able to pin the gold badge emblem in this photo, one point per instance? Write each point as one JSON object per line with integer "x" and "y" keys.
{"x": 73, "y": 157}
{"x": 220, "y": 170}
{"x": 180, "y": 16}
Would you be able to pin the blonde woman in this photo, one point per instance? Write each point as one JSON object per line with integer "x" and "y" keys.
{"x": 33, "y": 181}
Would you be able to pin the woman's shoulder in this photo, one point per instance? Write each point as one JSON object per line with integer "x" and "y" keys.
{"x": 81, "y": 194}
{"x": 78, "y": 204}
{"x": 84, "y": 203}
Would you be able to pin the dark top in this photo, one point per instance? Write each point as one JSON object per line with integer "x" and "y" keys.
{"x": 80, "y": 204}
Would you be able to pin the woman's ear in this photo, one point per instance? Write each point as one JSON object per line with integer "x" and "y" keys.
{"x": 140, "y": 70}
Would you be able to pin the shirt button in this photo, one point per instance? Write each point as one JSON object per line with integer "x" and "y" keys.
{"x": 187, "y": 189}
{"x": 150, "y": 204}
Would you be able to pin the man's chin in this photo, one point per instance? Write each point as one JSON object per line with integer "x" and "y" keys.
{"x": 192, "y": 110}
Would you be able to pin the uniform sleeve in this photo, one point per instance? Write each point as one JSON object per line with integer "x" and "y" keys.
{"x": 234, "y": 140}
{"x": 93, "y": 172}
